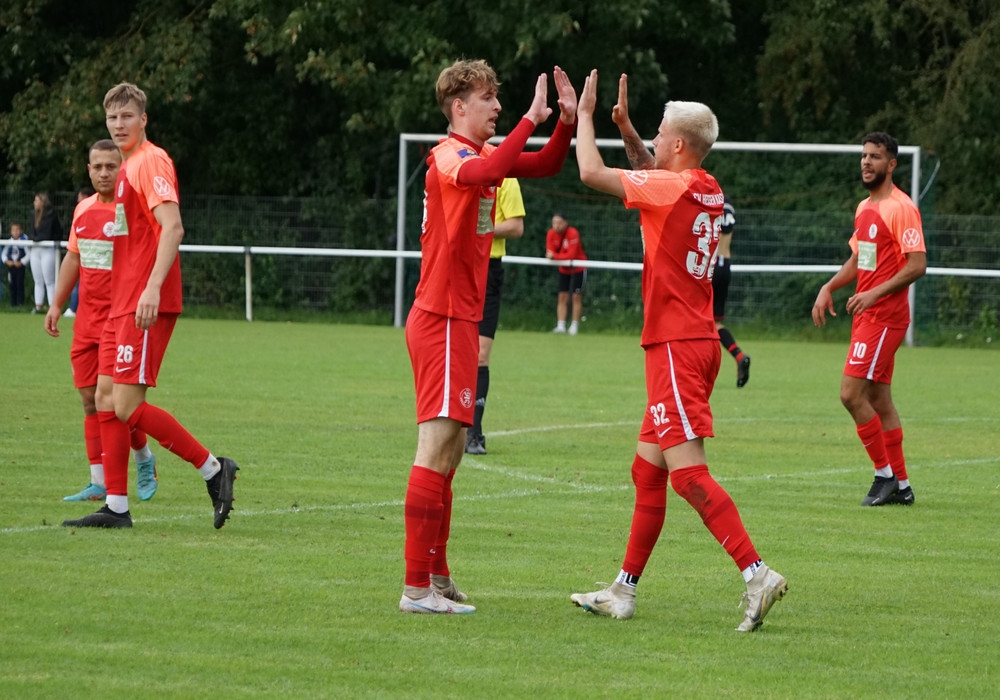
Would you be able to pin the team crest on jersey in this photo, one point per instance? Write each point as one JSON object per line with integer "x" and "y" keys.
{"x": 466, "y": 397}
{"x": 121, "y": 188}
{"x": 162, "y": 187}
{"x": 637, "y": 177}
{"x": 872, "y": 231}
{"x": 911, "y": 238}
{"x": 109, "y": 229}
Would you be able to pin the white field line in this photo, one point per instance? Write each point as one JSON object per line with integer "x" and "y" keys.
{"x": 564, "y": 487}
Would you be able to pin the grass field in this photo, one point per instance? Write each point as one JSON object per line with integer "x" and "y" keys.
{"x": 297, "y": 595}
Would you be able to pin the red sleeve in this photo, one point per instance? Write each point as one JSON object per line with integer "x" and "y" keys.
{"x": 491, "y": 170}
{"x": 548, "y": 161}
{"x": 552, "y": 242}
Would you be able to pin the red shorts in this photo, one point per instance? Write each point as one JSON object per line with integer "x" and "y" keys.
{"x": 139, "y": 353}
{"x": 107, "y": 352}
{"x": 444, "y": 353}
{"x": 84, "y": 358}
{"x": 680, "y": 376}
{"x": 872, "y": 354}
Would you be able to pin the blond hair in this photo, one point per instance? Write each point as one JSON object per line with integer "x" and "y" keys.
{"x": 123, "y": 93}
{"x": 460, "y": 79}
{"x": 695, "y": 122}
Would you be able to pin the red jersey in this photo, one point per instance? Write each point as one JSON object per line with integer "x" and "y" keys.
{"x": 90, "y": 238}
{"x": 565, "y": 246}
{"x": 146, "y": 180}
{"x": 884, "y": 232}
{"x": 680, "y": 215}
{"x": 456, "y": 234}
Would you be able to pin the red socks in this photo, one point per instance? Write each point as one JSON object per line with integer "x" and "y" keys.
{"x": 92, "y": 438}
{"x": 423, "y": 513}
{"x": 717, "y": 510}
{"x": 871, "y": 437}
{"x": 893, "y": 440}
{"x": 115, "y": 442}
{"x": 169, "y": 433}
{"x": 647, "y": 518}
{"x": 439, "y": 559}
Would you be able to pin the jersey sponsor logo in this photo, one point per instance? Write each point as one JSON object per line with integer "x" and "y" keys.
{"x": 466, "y": 397}
{"x": 120, "y": 225}
{"x": 466, "y": 153}
{"x": 867, "y": 255}
{"x": 637, "y": 177}
{"x": 162, "y": 187}
{"x": 872, "y": 231}
{"x": 911, "y": 238}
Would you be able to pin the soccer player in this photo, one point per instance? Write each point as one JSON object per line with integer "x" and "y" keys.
{"x": 887, "y": 256}
{"x": 720, "y": 289}
{"x": 145, "y": 303}
{"x": 509, "y": 224}
{"x": 442, "y": 333}
{"x": 88, "y": 261}
{"x": 680, "y": 211}
{"x": 562, "y": 242}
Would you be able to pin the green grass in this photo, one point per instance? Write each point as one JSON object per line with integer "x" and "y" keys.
{"x": 297, "y": 595}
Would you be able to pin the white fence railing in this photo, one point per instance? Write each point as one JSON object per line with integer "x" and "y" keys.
{"x": 400, "y": 255}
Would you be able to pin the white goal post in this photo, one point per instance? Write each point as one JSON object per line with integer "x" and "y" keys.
{"x": 819, "y": 148}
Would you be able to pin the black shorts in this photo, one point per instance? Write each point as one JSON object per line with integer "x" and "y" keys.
{"x": 491, "y": 305}
{"x": 573, "y": 282}
{"x": 720, "y": 288}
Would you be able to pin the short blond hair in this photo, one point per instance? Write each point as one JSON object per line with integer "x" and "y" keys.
{"x": 123, "y": 93}
{"x": 695, "y": 122}
{"x": 460, "y": 79}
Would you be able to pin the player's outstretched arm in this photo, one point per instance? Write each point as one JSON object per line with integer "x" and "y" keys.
{"x": 593, "y": 172}
{"x": 638, "y": 156}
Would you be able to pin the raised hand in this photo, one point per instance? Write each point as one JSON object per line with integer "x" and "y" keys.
{"x": 567, "y": 95}
{"x": 619, "y": 113}
{"x": 588, "y": 97}
{"x": 539, "y": 111}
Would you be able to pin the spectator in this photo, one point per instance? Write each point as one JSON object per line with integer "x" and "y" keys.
{"x": 14, "y": 259}
{"x": 44, "y": 227}
{"x": 562, "y": 242}
{"x": 720, "y": 288}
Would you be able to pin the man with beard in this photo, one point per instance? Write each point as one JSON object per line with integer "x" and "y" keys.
{"x": 887, "y": 255}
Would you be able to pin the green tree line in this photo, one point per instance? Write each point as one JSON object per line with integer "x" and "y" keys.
{"x": 298, "y": 98}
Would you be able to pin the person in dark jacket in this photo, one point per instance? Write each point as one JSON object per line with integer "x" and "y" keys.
{"x": 44, "y": 226}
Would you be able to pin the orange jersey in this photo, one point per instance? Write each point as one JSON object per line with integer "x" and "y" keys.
{"x": 90, "y": 237}
{"x": 681, "y": 216}
{"x": 884, "y": 233}
{"x": 146, "y": 180}
{"x": 456, "y": 234}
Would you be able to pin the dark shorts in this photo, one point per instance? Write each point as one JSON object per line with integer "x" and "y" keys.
{"x": 720, "y": 287}
{"x": 491, "y": 305}
{"x": 572, "y": 283}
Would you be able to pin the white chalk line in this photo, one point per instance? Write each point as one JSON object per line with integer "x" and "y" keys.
{"x": 563, "y": 487}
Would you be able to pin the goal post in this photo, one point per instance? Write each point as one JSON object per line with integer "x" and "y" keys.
{"x": 404, "y": 183}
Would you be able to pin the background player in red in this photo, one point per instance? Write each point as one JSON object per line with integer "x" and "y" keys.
{"x": 88, "y": 261}
{"x": 562, "y": 242}
{"x": 442, "y": 332}
{"x": 680, "y": 211}
{"x": 887, "y": 256}
{"x": 145, "y": 303}
{"x": 509, "y": 224}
